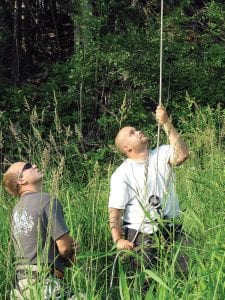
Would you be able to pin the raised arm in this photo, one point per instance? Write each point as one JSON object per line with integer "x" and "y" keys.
{"x": 181, "y": 151}
{"x": 116, "y": 230}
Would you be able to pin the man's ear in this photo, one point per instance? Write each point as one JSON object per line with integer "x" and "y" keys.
{"x": 21, "y": 181}
{"x": 127, "y": 148}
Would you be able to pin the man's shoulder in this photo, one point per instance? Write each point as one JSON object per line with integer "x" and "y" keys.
{"x": 163, "y": 154}
{"x": 37, "y": 195}
{"x": 121, "y": 169}
{"x": 39, "y": 198}
{"x": 162, "y": 149}
{"x": 45, "y": 195}
{"x": 32, "y": 202}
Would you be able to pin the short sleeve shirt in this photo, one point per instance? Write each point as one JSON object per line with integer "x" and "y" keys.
{"x": 145, "y": 191}
{"x": 37, "y": 222}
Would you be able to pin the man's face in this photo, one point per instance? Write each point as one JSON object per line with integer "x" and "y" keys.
{"x": 132, "y": 139}
{"x": 29, "y": 173}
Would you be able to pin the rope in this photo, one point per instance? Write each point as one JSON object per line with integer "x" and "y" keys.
{"x": 158, "y": 136}
{"x": 160, "y": 93}
{"x": 158, "y": 131}
{"x": 161, "y": 55}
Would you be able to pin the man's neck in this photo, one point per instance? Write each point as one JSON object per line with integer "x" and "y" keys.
{"x": 139, "y": 156}
{"x": 34, "y": 188}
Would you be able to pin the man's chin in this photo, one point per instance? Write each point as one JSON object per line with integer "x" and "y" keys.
{"x": 39, "y": 179}
{"x": 145, "y": 140}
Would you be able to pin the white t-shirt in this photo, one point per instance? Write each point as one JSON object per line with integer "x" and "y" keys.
{"x": 133, "y": 184}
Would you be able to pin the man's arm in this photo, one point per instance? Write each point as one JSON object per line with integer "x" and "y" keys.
{"x": 181, "y": 151}
{"x": 53, "y": 218}
{"x": 116, "y": 230}
{"x": 67, "y": 247}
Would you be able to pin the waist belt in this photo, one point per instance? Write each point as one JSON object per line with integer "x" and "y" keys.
{"x": 24, "y": 271}
{"x": 128, "y": 223}
{"x": 164, "y": 222}
{"x": 125, "y": 223}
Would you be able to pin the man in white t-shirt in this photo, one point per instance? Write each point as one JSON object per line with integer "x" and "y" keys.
{"x": 142, "y": 189}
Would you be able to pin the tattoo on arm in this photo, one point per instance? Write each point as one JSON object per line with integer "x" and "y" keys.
{"x": 176, "y": 142}
{"x": 167, "y": 129}
{"x": 114, "y": 218}
{"x": 176, "y": 148}
{"x": 115, "y": 224}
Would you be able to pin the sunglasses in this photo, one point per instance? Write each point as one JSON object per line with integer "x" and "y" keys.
{"x": 26, "y": 166}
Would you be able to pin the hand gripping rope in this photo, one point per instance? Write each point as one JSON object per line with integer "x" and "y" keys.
{"x": 158, "y": 138}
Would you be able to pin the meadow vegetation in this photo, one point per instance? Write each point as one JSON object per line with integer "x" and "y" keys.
{"x": 68, "y": 85}
{"x": 81, "y": 182}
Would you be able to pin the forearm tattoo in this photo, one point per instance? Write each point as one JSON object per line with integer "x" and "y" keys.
{"x": 176, "y": 148}
{"x": 114, "y": 222}
{"x": 168, "y": 127}
{"x": 177, "y": 144}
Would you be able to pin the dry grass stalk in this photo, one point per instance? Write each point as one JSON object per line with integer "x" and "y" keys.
{"x": 34, "y": 117}
{"x": 45, "y": 157}
{"x": 57, "y": 176}
{"x": 14, "y": 132}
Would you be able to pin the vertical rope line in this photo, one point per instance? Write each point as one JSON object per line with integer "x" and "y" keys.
{"x": 158, "y": 136}
{"x": 161, "y": 55}
{"x": 160, "y": 93}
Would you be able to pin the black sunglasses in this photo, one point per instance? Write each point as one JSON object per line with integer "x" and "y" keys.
{"x": 26, "y": 166}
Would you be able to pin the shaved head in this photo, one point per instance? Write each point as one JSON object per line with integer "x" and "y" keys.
{"x": 129, "y": 141}
{"x": 120, "y": 140}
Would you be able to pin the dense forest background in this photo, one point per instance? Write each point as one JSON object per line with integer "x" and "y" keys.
{"x": 71, "y": 74}
{"x": 89, "y": 67}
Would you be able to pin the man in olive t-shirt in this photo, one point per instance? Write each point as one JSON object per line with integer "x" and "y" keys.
{"x": 36, "y": 224}
{"x": 40, "y": 235}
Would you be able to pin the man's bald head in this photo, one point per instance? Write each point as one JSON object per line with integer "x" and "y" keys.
{"x": 120, "y": 140}
{"x": 130, "y": 141}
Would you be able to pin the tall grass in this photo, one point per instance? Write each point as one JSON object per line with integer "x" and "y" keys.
{"x": 82, "y": 185}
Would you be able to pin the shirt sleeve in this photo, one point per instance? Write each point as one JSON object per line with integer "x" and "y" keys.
{"x": 54, "y": 219}
{"x": 166, "y": 152}
{"x": 118, "y": 191}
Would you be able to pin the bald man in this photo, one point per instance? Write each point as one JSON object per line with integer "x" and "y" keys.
{"x": 41, "y": 238}
{"x": 142, "y": 189}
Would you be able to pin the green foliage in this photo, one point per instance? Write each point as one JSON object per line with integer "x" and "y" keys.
{"x": 67, "y": 124}
{"x": 82, "y": 185}
{"x": 111, "y": 65}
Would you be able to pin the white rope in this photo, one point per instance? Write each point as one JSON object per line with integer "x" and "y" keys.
{"x": 158, "y": 131}
{"x": 160, "y": 94}
{"x": 161, "y": 55}
{"x": 158, "y": 136}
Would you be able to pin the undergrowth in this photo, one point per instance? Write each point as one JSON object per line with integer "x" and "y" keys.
{"x": 81, "y": 182}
